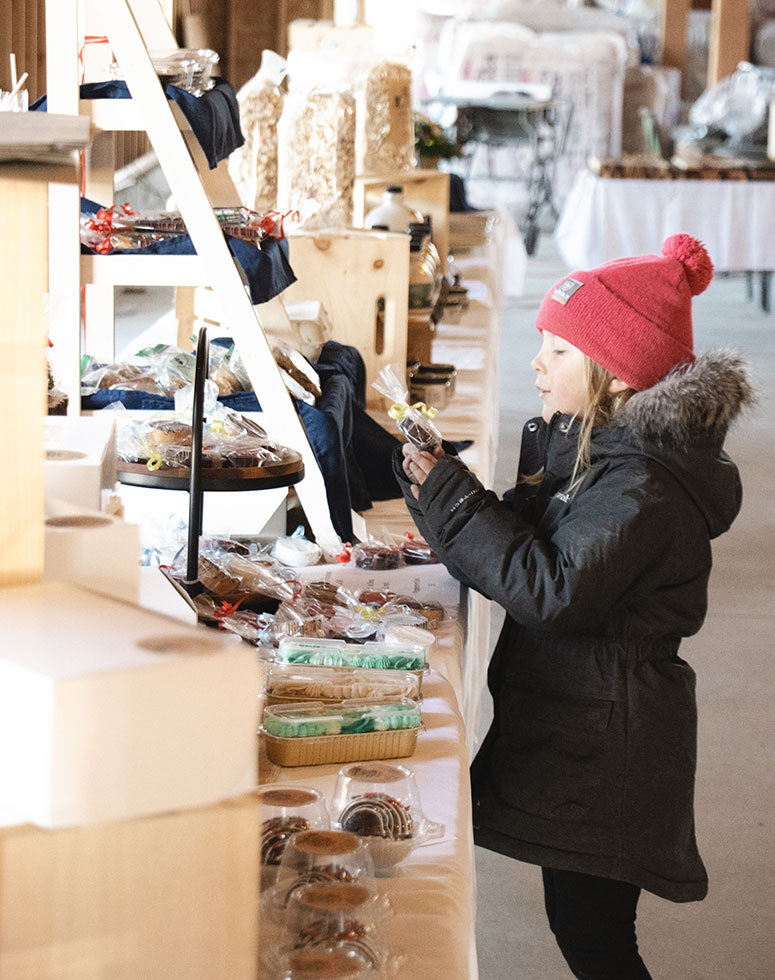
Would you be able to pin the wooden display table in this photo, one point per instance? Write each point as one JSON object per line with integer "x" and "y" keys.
{"x": 432, "y": 901}
{"x": 469, "y": 339}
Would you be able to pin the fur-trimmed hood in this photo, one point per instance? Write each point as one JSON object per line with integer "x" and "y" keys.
{"x": 702, "y": 398}
{"x": 682, "y": 422}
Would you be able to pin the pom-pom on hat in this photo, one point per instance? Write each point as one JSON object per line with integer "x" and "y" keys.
{"x": 633, "y": 316}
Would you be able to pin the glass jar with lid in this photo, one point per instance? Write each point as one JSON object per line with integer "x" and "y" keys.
{"x": 425, "y": 274}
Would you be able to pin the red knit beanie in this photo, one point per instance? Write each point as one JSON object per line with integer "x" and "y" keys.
{"x": 632, "y": 316}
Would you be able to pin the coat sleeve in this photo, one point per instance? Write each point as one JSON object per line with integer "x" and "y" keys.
{"x": 418, "y": 517}
{"x": 617, "y": 539}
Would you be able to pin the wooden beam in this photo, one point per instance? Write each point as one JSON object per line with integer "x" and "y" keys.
{"x": 730, "y": 38}
{"x": 674, "y": 16}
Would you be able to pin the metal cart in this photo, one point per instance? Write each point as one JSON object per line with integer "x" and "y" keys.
{"x": 513, "y": 118}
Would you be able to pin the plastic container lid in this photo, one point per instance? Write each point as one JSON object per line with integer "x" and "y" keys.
{"x": 356, "y": 717}
{"x": 336, "y": 653}
{"x": 311, "y": 682}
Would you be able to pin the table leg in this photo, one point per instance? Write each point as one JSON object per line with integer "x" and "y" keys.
{"x": 765, "y": 280}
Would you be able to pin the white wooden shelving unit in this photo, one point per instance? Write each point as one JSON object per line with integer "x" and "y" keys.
{"x": 133, "y": 28}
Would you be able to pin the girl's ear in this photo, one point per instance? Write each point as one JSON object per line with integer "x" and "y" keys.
{"x": 616, "y": 387}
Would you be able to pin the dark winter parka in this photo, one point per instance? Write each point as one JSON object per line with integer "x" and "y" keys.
{"x": 589, "y": 763}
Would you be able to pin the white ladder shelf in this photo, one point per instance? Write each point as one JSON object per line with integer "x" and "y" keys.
{"x": 134, "y": 27}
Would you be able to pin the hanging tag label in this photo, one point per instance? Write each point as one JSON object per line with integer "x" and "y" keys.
{"x": 563, "y": 292}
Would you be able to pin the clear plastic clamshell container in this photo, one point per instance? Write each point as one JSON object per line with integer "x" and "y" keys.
{"x": 188, "y": 68}
{"x": 345, "y": 731}
{"x": 285, "y": 811}
{"x": 289, "y": 683}
{"x": 336, "y": 653}
{"x": 381, "y": 803}
{"x": 316, "y": 857}
{"x": 322, "y": 964}
{"x": 337, "y": 915}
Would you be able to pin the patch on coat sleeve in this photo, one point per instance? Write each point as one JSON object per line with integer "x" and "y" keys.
{"x": 461, "y": 500}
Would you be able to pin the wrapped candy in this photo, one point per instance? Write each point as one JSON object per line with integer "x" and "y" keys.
{"x": 414, "y": 421}
{"x": 119, "y": 227}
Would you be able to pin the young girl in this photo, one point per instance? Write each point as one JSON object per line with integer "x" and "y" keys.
{"x": 600, "y": 557}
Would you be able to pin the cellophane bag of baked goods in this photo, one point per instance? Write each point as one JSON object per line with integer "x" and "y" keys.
{"x": 230, "y": 571}
{"x": 414, "y": 421}
{"x": 163, "y": 439}
{"x": 253, "y": 167}
{"x": 385, "y": 127}
{"x": 164, "y": 370}
{"x": 316, "y": 144}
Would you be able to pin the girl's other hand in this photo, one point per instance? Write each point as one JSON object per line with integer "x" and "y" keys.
{"x": 417, "y": 464}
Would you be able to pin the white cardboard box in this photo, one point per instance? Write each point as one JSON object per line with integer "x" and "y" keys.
{"x": 108, "y": 711}
{"x": 80, "y": 454}
{"x": 92, "y": 550}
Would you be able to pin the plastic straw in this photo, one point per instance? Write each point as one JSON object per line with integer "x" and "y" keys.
{"x": 12, "y": 58}
{"x": 18, "y": 86}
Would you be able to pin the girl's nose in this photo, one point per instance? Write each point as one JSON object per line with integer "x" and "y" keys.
{"x": 536, "y": 364}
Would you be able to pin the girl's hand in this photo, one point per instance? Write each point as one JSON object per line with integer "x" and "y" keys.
{"x": 417, "y": 464}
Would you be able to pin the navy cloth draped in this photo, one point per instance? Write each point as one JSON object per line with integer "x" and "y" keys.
{"x": 266, "y": 267}
{"x": 213, "y": 116}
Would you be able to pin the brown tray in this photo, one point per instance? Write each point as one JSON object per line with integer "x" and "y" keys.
{"x": 331, "y": 749}
{"x": 223, "y": 478}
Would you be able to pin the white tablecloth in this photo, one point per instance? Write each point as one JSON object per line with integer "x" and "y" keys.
{"x": 607, "y": 218}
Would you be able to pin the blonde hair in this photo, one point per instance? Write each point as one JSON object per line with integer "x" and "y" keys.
{"x": 602, "y": 407}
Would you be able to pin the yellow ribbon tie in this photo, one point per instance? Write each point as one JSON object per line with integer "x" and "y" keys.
{"x": 154, "y": 461}
{"x": 368, "y": 613}
{"x": 217, "y": 426}
{"x": 399, "y": 410}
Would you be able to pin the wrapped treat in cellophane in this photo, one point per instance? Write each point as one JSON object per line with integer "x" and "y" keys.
{"x": 160, "y": 370}
{"x": 237, "y": 577}
{"x": 164, "y": 370}
{"x": 414, "y": 421}
{"x": 331, "y": 613}
{"x": 229, "y": 441}
{"x": 119, "y": 227}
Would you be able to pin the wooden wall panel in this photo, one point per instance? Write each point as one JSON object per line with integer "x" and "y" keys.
{"x": 22, "y": 30}
{"x": 257, "y": 24}
{"x": 237, "y": 29}
{"x": 730, "y": 38}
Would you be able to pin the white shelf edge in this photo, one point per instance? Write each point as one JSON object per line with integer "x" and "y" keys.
{"x": 150, "y": 270}
{"x": 120, "y": 115}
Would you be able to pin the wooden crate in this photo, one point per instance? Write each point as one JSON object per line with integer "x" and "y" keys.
{"x": 424, "y": 190}
{"x": 353, "y": 273}
{"x": 167, "y": 896}
{"x": 23, "y": 270}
